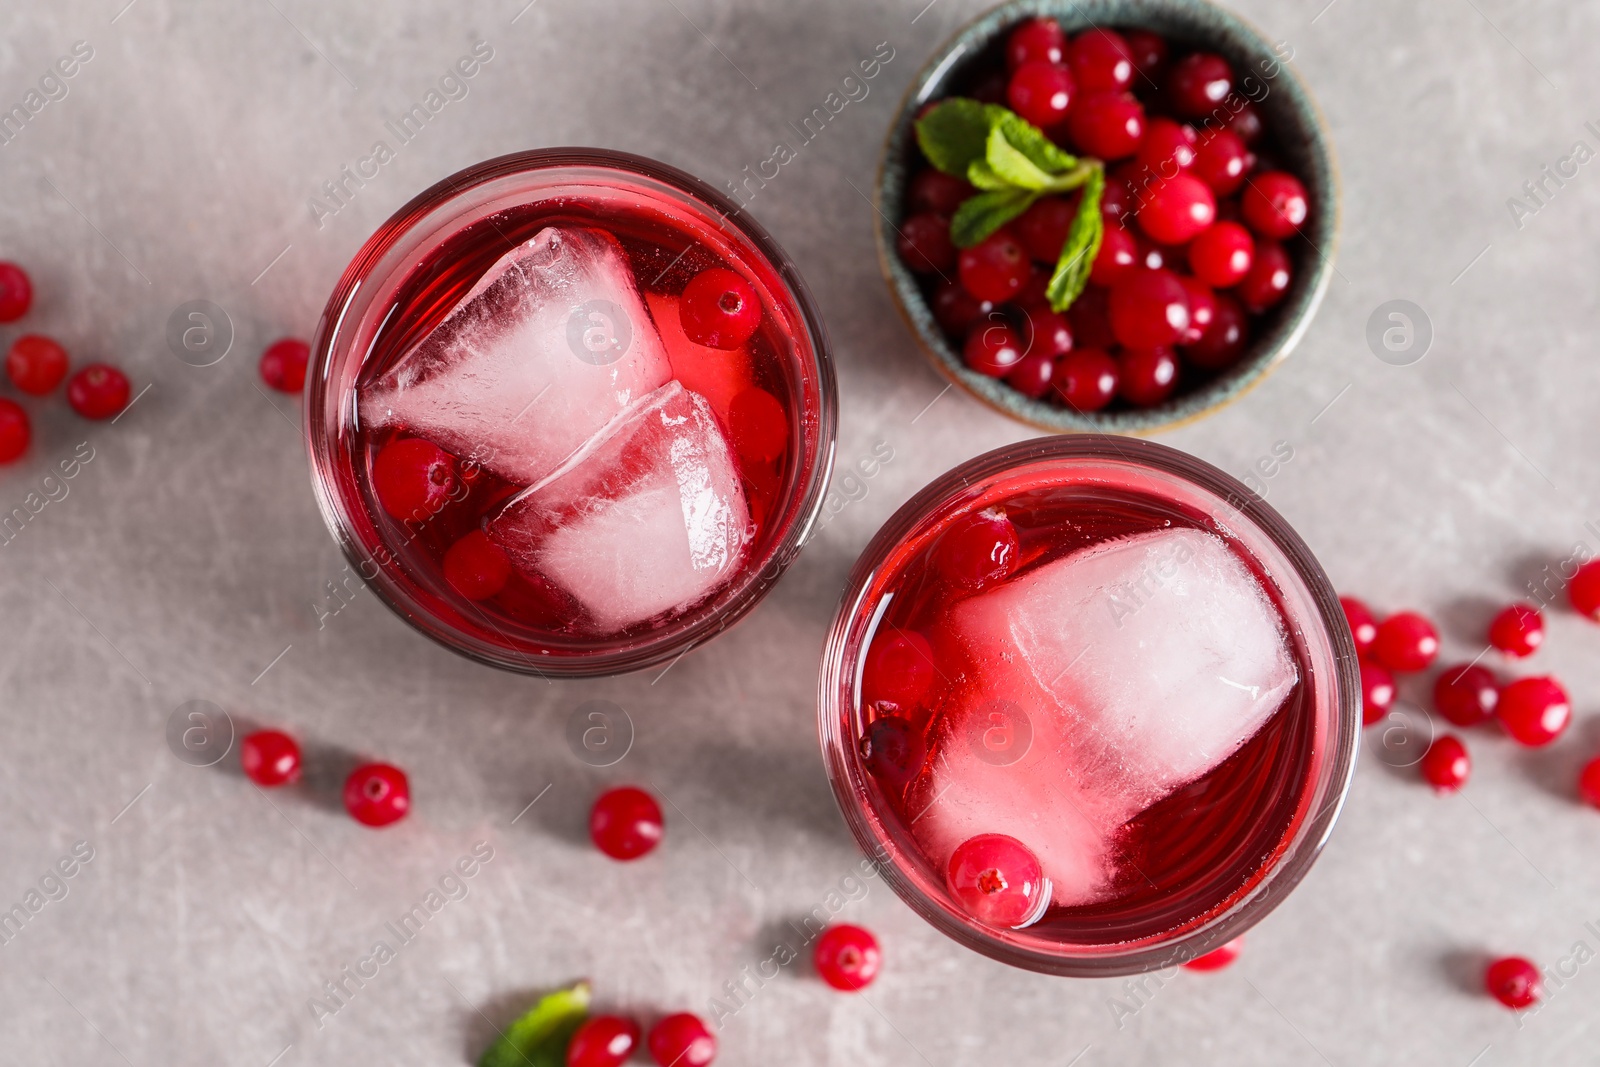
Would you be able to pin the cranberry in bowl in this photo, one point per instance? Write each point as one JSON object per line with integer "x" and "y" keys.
{"x": 1113, "y": 216}
{"x": 570, "y": 412}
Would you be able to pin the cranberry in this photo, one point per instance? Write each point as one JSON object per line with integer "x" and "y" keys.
{"x": 413, "y": 478}
{"x": 603, "y": 1041}
{"x": 924, "y": 243}
{"x": 1377, "y": 693}
{"x": 1116, "y": 201}
{"x": 1268, "y": 279}
{"x": 1147, "y": 375}
{"x": 1534, "y": 711}
{"x": 1150, "y": 255}
{"x": 893, "y": 749}
{"x": 719, "y": 309}
{"x": 1033, "y": 375}
{"x": 1446, "y": 765}
{"x": 1167, "y": 149}
{"x": 98, "y": 391}
{"x": 1045, "y": 330}
{"x": 998, "y": 880}
{"x": 36, "y": 364}
{"x": 978, "y": 549}
{"x": 377, "y": 794}
{"x": 1218, "y": 958}
{"x": 1090, "y": 316}
{"x": 1085, "y": 379}
{"x": 682, "y": 1040}
{"x": 1275, "y": 204}
{"x": 283, "y": 365}
{"x": 995, "y": 268}
{"x": 1363, "y": 624}
{"x": 848, "y": 957}
{"x": 1177, "y": 210}
{"x": 1109, "y": 125}
{"x": 1466, "y": 694}
{"x": 1246, "y": 121}
{"x": 1036, "y": 290}
{"x": 936, "y": 191}
{"x": 1222, "y": 161}
{"x": 1149, "y": 308}
{"x": 16, "y": 292}
{"x": 993, "y": 348}
{"x": 1589, "y": 782}
{"x": 1224, "y": 340}
{"x": 1199, "y": 83}
{"x": 269, "y": 757}
{"x": 1517, "y": 631}
{"x": 1038, "y": 40}
{"x": 1040, "y": 92}
{"x": 1514, "y": 982}
{"x": 1118, "y": 256}
{"x": 476, "y": 567}
{"x": 1100, "y": 60}
{"x": 1042, "y": 228}
{"x": 1584, "y": 591}
{"x": 899, "y": 670}
{"x": 15, "y": 430}
{"x": 1202, "y": 309}
{"x": 957, "y": 310}
{"x": 625, "y": 823}
{"x": 1405, "y": 642}
{"x": 1148, "y": 51}
{"x": 1221, "y": 256}
{"x": 991, "y": 90}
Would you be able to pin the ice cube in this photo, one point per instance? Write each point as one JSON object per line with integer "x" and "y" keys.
{"x": 547, "y": 348}
{"x": 648, "y": 519}
{"x": 1135, "y": 665}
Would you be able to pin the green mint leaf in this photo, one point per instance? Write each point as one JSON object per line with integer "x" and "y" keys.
{"x": 981, "y": 215}
{"x": 1010, "y": 164}
{"x": 1031, "y": 141}
{"x": 955, "y": 133}
{"x": 539, "y": 1038}
{"x": 983, "y": 176}
{"x": 1088, "y": 229}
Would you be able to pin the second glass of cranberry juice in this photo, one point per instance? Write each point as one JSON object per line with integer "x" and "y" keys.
{"x": 1091, "y": 703}
{"x": 570, "y": 413}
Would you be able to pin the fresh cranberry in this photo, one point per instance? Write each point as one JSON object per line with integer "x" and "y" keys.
{"x": 16, "y": 292}
{"x": 1106, "y": 124}
{"x": 1377, "y": 693}
{"x": 990, "y": 90}
{"x": 1168, "y": 148}
{"x": 1517, "y": 631}
{"x": 1038, "y": 40}
{"x": 1090, "y": 316}
{"x": 957, "y": 310}
{"x": 1446, "y": 765}
{"x": 15, "y": 430}
{"x": 1100, "y": 60}
{"x": 1466, "y": 694}
{"x": 1042, "y": 228}
{"x": 1268, "y": 279}
{"x": 1044, "y": 330}
{"x": 603, "y": 1041}
{"x": 1033, "y": 375}
{"x": 1221, "y": 255}
{"x": 1041, "y": 92}
{"x": 1150, "y": 255}
{"x": 1246, "y": 121}
{"x": 36, "y": 364}
{"x": 377, "y": 794}
{"x": 719, "y": 309}
{"x": 1085, "y": 379}
{"x": 899, "y": 670}
{"x": 1405, "y": 642}
{"x": 978, "y": 549}
{"x": 1363, "y": 624}
{"x": 924, "y": 243}
{"x": 413, "y": 478}
{"x": 1202, "y": 309}
{"x": 1589, "y": 782}
{"x": 1584, "y": 590}
{"x": 847, "y": 957}
{"x": 98, "y": 391}
{"x": 998, "y": 880}
{"x": 1147, "y": 375}
{"x": 1275, "y": 204}
{"x": 1116, "y": 258}
{"x": 270, "y": 757}
{"x": 1199, "y": 83}
{"x": 993, "y": 348}
{"x": 283, "y": 365}
{"x": 893, "y": 749}
{"x": 1222, "y": 161}
{"x": 936, "y": 191}
{"x": 476, "y": 567}
{"x": 995, "y": 268}
{"x": 1514, "y": 982}
{"x": 1218, "y": 958}
{"x": 682, "y": 1040}
{"x": 1224, "y": 340}
{"x": 1116, "y": 201}
{"x": 1147, "y": 50}
{"x": 625, "y": 823}
{"x": 1534, "y": 711}
{"x": 1149, "y": 308}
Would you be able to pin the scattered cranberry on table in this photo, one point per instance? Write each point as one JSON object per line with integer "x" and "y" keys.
{"x": 270, "y": 757}
{"x": 1363, "y": 624}
{"x": 15, "y": 430}
{"x": 625, "y": 823}
{"x": 16, "y": 292}
{"x": 603, "y": 1041}
{"x": 847, "y": 957}
{"x": 98, "y": 391}
{"x": 1534, "y": 711}
{"x": 1518, "y": 630}
{"x": 1514, "y": 982}
{"x": 283, "y": 365}
{"x": 1584, "y": 590}
{"x": 1377, "y": 693}
{"x": 682, "y": 1040}
{"x": 1405, "y": 642}
{"x": 1446, "y": 765}
{"x": 36, "y": 364}
{"x": 1219, "y": 957}
{"x": 377, "y": 794}
{"x": 1589, "y": 782}
{"x": 1466, "y": 694}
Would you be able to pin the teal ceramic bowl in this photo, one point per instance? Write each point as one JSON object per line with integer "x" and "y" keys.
{"x": 1299, "y": 142}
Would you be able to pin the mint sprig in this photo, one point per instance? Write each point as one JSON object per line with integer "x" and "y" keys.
{"x": 540, "y": 1037}
{"x": 1013, "y": 163}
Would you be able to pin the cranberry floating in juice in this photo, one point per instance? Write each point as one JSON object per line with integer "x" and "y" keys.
{"x": 571, "y": 412}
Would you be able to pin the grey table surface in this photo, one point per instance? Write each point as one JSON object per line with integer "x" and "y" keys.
{"x": 187, "y": 560}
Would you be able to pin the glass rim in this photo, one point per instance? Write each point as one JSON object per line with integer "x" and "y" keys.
{"x": 1332, "y": 779}
{"x": 322, "y": 418}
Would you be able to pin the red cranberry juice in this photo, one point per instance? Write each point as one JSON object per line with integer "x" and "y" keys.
{"x": 1189, "y": 855}
{"x": 747, "y": 389}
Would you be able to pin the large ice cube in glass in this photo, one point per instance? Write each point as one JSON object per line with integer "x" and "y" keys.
{"x": 546, "y": 349}
{"x": 648, "y": 519}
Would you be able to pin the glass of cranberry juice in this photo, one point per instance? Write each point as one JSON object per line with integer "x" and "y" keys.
{"x": 1091, "y": 703}
{"x": 570, "y": 412}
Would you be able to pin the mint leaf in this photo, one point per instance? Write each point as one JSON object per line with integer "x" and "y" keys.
{"x": 981, "y": 215}
{"x": 955, "y": 133}
{"x": 1031, "y": 141}
{"x": 983, "y": 176}
{"x": 1011, "y": 164}
{"x": 1088, "y": 229}
{"x": 539, "y": 1038}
